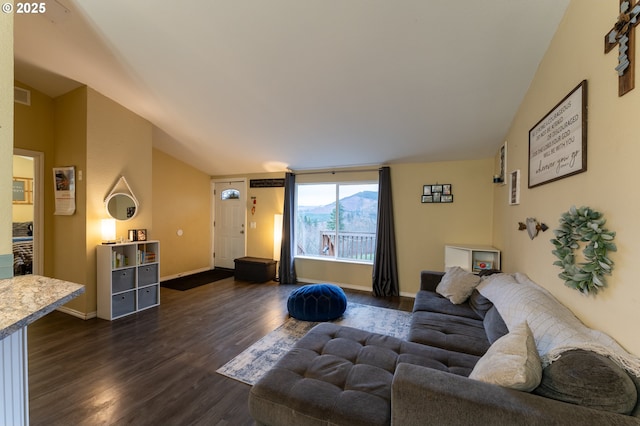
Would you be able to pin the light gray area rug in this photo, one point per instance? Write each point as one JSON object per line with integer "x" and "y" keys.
{"x": 256, "y": 360}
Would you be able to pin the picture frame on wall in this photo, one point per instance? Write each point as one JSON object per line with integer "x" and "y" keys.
{"x": 502, "y": 171}
{"x": 437, "y": 193}
{"x": 514, "y": 188}
{"x": 558, "y": 142}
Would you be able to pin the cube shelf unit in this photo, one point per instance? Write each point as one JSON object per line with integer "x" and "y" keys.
{"x": 471, "y": 257}
{"x": 128, "y": 278}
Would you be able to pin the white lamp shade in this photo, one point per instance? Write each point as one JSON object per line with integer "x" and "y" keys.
{"x": 108, "y": 230}
{"x": 277, "y": 236}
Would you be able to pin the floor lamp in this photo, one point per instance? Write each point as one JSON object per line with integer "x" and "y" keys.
{"x": 277, "y": 241}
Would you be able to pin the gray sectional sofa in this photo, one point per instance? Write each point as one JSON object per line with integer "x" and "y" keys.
{"x": 338, "y": 375}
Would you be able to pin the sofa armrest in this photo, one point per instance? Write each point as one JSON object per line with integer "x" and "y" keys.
{"x": 429, "y": 280}
{"x": 422, "y": 395}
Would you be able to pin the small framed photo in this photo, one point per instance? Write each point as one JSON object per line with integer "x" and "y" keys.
{"x": 426, "y": 190}
{"x": 427, "y": 199}
{"x": 514, "y": 188}
{"x": 446, "y": 189}
{"x": 141, "y": 235}
{"x": 446, "y": 198}
{"x": 436, "y": 188}
{"x": 437, "y": 197}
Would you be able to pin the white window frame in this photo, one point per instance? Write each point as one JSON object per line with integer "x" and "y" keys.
{"x": 338, "y": 184}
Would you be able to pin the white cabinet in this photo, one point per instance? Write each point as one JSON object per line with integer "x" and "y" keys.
{"x": 128, "y": 278}
{"x": 470, "y": 257}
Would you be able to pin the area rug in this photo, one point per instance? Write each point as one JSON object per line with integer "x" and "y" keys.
{"x": 256, "y": 360}
{"x": 196, "y": 280}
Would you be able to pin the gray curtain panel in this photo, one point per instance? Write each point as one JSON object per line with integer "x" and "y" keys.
{"x": 287, "y": 270}
{"x": 385, "y": 267}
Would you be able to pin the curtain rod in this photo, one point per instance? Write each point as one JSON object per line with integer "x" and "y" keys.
{"x": 333, "y": 172}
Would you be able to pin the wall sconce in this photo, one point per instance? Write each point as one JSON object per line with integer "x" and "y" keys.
{"x": 532, "y": 226}
{"x": 108, "y": 231}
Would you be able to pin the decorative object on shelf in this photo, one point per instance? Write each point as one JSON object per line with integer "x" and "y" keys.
{"x": 121, "y": 203}
{"x": 108, "y": 228}
{"x": 514, "y": 187}
{"x": 623, "y": 35}
{"x": 532, "y": 226}
{"x": 583, "y": 225}
{"x": 137, "y": 235}
{"x": 438, "y": 193}
{"x": 558, "y": 142}
{"x": 500, "y": 177}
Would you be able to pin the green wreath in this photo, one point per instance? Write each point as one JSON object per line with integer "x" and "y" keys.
{"x": 583, "y": 225}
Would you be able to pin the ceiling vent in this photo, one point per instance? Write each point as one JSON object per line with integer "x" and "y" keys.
{"x": 22, "y": 96}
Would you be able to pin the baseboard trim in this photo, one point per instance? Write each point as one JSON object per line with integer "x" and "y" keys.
{"x": 184, "y": 274}
{"x": 76, "y": 313}
{"x": 351, "y": 286}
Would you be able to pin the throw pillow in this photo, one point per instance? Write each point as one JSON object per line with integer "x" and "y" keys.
{"x": 589, "y": 379}
{"x": 457, "y": 284}
{"x": 512, "y": 361}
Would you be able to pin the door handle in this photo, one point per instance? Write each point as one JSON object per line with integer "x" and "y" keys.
{"x": 242, "y": 232}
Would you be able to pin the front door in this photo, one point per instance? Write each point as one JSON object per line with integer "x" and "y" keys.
{"x": 229, "y": 223}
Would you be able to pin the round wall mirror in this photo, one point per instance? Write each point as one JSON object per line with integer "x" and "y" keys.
{"x": 121, "y": 206}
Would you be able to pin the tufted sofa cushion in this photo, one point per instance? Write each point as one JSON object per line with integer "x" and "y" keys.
{"x": 342, "y": 376}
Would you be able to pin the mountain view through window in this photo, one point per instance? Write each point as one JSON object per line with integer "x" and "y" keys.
{"x": 337, "y": 221}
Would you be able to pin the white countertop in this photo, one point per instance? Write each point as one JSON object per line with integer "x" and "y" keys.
{"x": 26, "y": 298}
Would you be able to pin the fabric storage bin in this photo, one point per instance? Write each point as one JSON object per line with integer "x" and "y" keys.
{"x": 147, "y": 296}
{"x": 123, "y": 279}
{"x": 254, "y": 269}
{"x": 147, "y": 274}
{"x": 123, "y": 303}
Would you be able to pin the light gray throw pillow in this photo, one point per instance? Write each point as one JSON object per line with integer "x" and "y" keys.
{"x": 457, "y": 285}
{"x": 512, "y": 361}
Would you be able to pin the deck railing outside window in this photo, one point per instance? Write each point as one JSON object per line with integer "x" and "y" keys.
{"x": 349, "y": 245}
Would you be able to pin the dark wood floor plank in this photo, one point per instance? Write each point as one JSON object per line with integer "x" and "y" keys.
{"x": 158, "y": 366}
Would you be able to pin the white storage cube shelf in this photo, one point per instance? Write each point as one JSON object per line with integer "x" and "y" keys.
{"x": 471, "y": 258}
{"x": 128, "y": 278}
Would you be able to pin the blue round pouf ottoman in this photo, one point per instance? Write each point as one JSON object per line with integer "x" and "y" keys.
{"x": 317, "y": 302}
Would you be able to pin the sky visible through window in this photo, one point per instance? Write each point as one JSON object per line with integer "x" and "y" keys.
{"x": 323, "y": 194}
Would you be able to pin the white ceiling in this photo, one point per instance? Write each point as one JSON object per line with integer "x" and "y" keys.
{"x": 241, "y": 86}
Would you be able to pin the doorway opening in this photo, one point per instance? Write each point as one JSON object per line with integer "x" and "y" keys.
{"x": 27, "y": 213}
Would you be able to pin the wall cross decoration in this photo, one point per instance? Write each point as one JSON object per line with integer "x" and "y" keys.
{"x": 623, "y": 35}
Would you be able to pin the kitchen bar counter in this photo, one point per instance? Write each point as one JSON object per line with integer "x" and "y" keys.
{"x": 23, "y": 300}
{"x": 26, "y": 298}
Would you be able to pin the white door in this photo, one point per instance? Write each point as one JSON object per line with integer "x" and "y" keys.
{"x": 229, "y": 223}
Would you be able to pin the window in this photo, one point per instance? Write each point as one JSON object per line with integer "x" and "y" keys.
{"x": 337, "y": 220}
{"x": 230, "y": 194}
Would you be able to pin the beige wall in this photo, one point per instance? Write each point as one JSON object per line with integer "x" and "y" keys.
{"x": 576, "y": 53}
{"x": 182, "y": 200}
{"x": 6, "y": 136}
{"x": 422, "y": 230}
{"x": 23, "y": 168}
{"x": 69, "y": 232}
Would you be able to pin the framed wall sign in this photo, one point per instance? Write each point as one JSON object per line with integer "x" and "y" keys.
{"x": 558, "y": 142}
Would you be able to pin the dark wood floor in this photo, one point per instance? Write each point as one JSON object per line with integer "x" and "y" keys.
{"x": 157, "y": 367}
